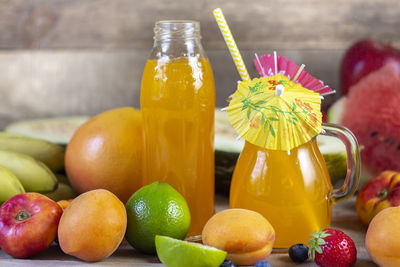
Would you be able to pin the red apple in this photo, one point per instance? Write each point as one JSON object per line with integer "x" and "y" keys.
{"x": 28, "y": 224}
{"x": 363, "y": 57}
{"x": 377, "y": 194}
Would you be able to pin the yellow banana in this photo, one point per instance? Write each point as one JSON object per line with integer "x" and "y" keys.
{"x": 63, "y": 192}
{"x": 50, "y": 154}
{"x": 34, "y": 175}
{"x": 9, "y": 185}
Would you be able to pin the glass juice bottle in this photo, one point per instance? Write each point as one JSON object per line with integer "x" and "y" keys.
{"x": 177, "y": 103}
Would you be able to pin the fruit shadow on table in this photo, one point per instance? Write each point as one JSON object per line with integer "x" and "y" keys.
{"x": 123, "y": 255}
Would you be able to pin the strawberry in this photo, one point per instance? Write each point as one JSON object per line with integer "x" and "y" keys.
{"x": 332, "y": 248}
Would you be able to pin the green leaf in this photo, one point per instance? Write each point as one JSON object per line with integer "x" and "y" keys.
{"x": 294, "y": 106}
{"x": 262, "y": 119}
{"x": 314, "y": 234}
{"x": 313, "y": 254}
{"x": 271, "y": 130}
{"x": 324, "y": 234}
{"x": 292, "y": 122}
{"x": 321, "y": 241}
{"x": 260, "y": 102}
{"x": 272, "y": 119}
{"x": 319, "y": 250}
{"x": 248, "y": 113}
{"x": 266, "y": 125}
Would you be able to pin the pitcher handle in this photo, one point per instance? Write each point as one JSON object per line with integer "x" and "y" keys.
{"x": 353, "y": 160}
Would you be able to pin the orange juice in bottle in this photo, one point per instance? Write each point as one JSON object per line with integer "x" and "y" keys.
{"x": 177, "y": 103}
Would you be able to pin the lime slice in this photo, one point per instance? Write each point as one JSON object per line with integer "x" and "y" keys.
{"x": 177, "y": 253}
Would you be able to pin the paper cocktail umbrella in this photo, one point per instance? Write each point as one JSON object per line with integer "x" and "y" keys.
{"x": 275, "y": 113}
{"x": 266, "y": 65}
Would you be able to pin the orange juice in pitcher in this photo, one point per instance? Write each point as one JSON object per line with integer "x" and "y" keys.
{"x": 281, "y": 172}
{"x": 292, "y": 190}
{"x": 177, "y": 103}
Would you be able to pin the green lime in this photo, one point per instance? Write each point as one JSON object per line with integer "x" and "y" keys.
{"x": 177, "y": 253}
{"x": 156, "y": 209}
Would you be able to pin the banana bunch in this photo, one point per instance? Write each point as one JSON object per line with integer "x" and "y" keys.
{"x": 28, "y": 164}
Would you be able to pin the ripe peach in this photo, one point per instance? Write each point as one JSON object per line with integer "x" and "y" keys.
{"x": 246, "y": 235}
{"x": 383, "y": 238}
{"x": 92, "y": 225}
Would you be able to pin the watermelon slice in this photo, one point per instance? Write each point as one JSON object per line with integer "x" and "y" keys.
{"x": 372, "y": 112}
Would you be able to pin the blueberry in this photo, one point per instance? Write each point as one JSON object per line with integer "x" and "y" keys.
{"x": 227, "y": 263}
{"x": 298, "y": 253}
{"x": 263, "y": 263}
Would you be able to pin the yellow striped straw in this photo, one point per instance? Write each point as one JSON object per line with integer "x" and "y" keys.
{"x": 230, "y": 42}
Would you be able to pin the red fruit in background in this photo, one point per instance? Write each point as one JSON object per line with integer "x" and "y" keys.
{"x": 332, "y": 248}
{"x": 377, "y": 194}
{"x": 28, "y": 224}
{"x": 364, "y": 57}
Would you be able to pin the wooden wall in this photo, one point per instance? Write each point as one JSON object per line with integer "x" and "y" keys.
{"x": 64, "y": 57}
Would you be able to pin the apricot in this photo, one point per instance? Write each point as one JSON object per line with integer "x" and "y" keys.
{"x": 245, "y": 235}
{"x": 106, "y": 153}
{"x": 383, "y": 238}
{"x": 92, "y": 225}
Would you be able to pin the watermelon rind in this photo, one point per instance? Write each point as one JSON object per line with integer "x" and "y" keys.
{"x": 58, "y": 130}
{"x": 335, "y": 112}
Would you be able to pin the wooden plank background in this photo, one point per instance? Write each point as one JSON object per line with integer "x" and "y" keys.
{"x": 69, "y": 57}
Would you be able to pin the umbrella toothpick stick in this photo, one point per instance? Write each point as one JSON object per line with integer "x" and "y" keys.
{"x": 276, "y": 63}
{"x": 230, "y": 42}
{"x": 329, "y": 93}
{"x": 259, "y": 63}
{"x": 298, "y": 72}
{"x": 322, "y": 88}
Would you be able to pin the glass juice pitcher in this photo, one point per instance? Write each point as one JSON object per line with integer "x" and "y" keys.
{"x": 177, "y": 102}
{"x": 293, "y": 189}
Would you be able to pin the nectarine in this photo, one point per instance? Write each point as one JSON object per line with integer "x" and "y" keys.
{"x": 377, "y": 194}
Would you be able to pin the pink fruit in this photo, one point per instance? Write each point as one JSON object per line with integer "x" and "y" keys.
{"x": 381, "y": 192}
{"x": 372, "y": 112}
{"x": 364, "y": 57}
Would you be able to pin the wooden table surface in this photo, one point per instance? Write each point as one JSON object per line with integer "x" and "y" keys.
{"x": 344, "y": 218}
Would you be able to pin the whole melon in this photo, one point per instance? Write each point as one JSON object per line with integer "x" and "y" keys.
{"x": 372, "y": 112}
{"x": 106, "y": 152}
